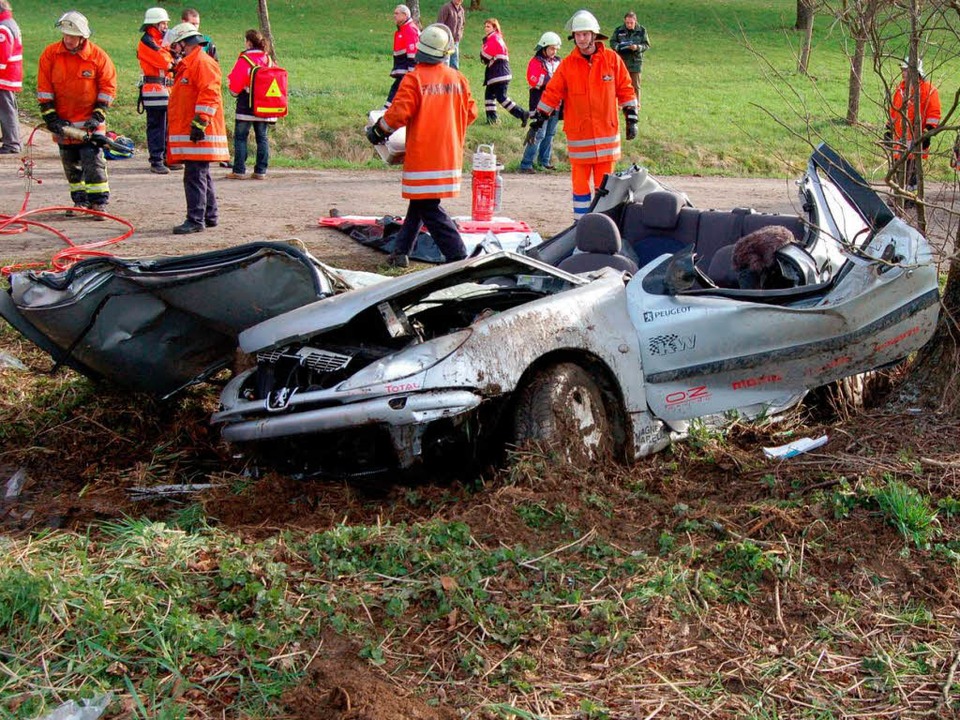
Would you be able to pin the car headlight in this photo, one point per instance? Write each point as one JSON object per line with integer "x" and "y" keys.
{"x": 406, "y": 362}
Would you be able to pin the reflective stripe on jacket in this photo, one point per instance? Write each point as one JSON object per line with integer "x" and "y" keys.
{"x": 496, "y": 57}
{"x": 76, "y": 83}
{"x": 903, "y": 133}
{"x": 238, "y": 82}
{"x": 592, "y": 93}
{"x": 405, "y": 48}
{"x": 155, "y": 63}
{"x": 11, "y": 53}
{"x": 196, "y": 92}
{"x": 539, "y": 71}
{"x": 434, "y": 103}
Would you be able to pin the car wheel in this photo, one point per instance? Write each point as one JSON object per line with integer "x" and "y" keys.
{"x": 562, "y": 408}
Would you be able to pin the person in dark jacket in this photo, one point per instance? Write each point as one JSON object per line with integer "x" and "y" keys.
{"x": 238, "y": 82}
{"x": 631, "y": 42}
{"x": 496, "y": 77}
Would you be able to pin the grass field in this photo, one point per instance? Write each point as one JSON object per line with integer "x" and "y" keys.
{"x": 711, "y": 105}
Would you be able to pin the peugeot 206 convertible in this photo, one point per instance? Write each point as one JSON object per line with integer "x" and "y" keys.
{"x": 608, "y": 338}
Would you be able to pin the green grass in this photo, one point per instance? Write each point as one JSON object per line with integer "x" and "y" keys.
{"x": 710, "y": 104}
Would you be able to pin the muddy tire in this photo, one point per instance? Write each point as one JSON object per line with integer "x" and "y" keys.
{"x": 562, "y": 409}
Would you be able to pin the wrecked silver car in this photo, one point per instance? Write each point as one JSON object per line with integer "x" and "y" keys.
{"x": 445, "y": 363}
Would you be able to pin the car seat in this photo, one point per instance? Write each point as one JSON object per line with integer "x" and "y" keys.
{"x": 598, "y": 243}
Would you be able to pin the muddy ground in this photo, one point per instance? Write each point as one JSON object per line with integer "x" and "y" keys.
{"x": 78, "y": 472}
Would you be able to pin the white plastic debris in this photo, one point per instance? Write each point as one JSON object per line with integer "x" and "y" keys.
{"x": 15, "y": 484}
{"x": 8, "y": 360}
{"x": 795, "y": 448}
{"x": 89, "y": 710}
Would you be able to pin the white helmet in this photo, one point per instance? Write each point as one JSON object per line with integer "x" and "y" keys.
{"x": 906, "y": 64}
{"x": 155, "y": 15}
{"x": 584, "y": 21}
{"x": 549, "y": 39}
{"x": 182, "y": 32}
{"x": 73, "y": 23}
{"x": 435, "y": 41}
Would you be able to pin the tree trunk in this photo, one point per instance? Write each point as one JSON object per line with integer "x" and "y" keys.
{"x": 804, "y": 62}
{"x": 856, "y": 81}
{"x": 264, "y": 15}
{"x": 414, "y": 6}
{"x": 934, "y": 378}
{"x": 804, "y": 14}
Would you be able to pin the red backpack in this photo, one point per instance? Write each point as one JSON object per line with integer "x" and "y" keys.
{"x": 268, "y": 89}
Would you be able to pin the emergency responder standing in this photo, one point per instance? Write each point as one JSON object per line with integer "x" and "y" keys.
{"x": 404, "y": 48}
{"x": 238, "y": 81}
{"x": 591, "y": 82}
{"x": 156, "y": 66}
{"x": 631, "y": 42}
{"x": 497, "y": 75}
{"x": 905, "y": 126}
{"x": 435, "y": 105}
{"x": 197, "y": 133}
{"x": 11, "y": 79}
{"x": 76, "y": 83}
{"x": 541, "y": 68}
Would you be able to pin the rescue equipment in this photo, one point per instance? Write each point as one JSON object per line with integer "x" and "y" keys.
{"x": 484, "y": 183}
{"x": 268, "y": 89}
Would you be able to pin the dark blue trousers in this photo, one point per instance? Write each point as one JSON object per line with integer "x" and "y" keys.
{"x": 198, "y": 188}
{"x": 157, "y": 134}
{"x": 442, "y": 229}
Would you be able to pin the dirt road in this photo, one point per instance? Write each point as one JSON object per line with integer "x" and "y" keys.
{"x": 289, "y": 203}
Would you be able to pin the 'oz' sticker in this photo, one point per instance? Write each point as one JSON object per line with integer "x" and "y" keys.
{"x": 694, "y": 394}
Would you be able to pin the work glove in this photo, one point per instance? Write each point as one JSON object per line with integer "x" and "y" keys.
{"x": 536, "y": 122}
{"x": 97, "y": 118}
{"x": 926, "y": 140}
{"x": 376, "y": 134}
{"x": 55, "y": 123}
{"x": 198, "y": 129}
{"x": 630, "y": 115}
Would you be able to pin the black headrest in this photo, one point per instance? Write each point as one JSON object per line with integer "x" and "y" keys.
{"x": 598, "y": 233}
{"x": 661, "y": 209}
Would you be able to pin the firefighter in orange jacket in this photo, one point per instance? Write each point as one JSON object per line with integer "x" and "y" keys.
{"x": 197, "y": 132}
{"x": 592, "y": 83}
{"x": 76, "y": 83}
{"x": 156, "y": 66}
{"x": 902, "y": 126}
{"x": 435, "y": 105}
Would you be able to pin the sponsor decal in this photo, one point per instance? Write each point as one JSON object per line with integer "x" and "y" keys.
{"x": 651, "y": 315}
{"x": 671, "y": 343}
{"x": 899, "y": 338}
{"x": 756, "y": 381}
{"x": 832, "y": 365}
{"x": 401, "y": 387}
{"x": 690, "y": 395}
{"x": 607, "y": 78}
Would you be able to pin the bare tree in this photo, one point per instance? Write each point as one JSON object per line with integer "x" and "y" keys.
{"x": 414, "y": 6}
{"x": 264, "y": 15}
{"x": 806, "y": 17}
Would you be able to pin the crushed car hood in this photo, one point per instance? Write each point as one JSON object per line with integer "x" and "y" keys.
{"x": 335, "y": 312}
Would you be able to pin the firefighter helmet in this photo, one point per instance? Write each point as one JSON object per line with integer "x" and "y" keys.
{"x": 906, "y": 64}
{"x": 435, "y": 41}
{"x": 584, "y": 21}
{"x": 184, "y": 31}
{"x": 549, "y": 39}
{"x": 74, "y": 23}
{"x": 155, "y": 15}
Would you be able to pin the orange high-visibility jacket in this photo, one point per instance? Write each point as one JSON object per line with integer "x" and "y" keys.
{"x": 592, "y": 93}
{"x": 76, "y": 83}
{"x": 155, "y": 63}
{"x": 903, "y": 133}
{"x": 196, "y": 92}
{"x": 434, "y": 103}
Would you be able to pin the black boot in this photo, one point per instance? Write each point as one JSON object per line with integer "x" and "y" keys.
{"x": 520, "y": 114}
{"x": 492, "y": 118}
